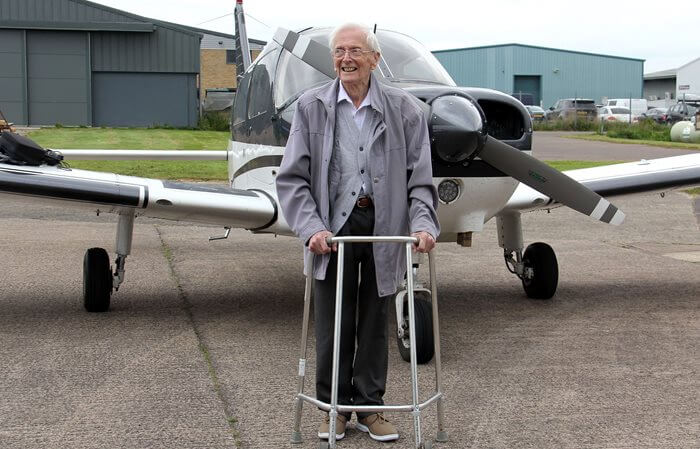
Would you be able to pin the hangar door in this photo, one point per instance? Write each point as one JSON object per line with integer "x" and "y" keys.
{"x": 12, "y": 94}
{"x": 58, "y": 78}
{"x": 144, "y": 99}
{"x": 530, "y": 85}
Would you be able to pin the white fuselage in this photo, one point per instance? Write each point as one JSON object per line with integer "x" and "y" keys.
{"x": 480, "y": 199}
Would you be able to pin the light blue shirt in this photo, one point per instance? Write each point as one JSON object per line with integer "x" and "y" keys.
{"x": 358, "y": 114}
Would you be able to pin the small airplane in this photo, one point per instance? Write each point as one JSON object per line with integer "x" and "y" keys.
{"x": 481, "y": 142}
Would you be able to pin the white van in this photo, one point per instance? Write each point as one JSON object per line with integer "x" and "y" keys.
{"x": 639, "y": 105}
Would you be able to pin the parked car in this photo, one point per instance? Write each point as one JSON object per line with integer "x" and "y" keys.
{"x": 680, "y": 111}
{"x": 573, "y": 108}
{"x": 537, "y": 114}
{"x": 639, "y": 105}
{"x": 609, "y": 114}
{"x": 656, "y": 114}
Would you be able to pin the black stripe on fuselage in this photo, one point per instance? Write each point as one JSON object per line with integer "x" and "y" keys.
{"x": 259, "y": 162}
{"x": 85, "y": 190}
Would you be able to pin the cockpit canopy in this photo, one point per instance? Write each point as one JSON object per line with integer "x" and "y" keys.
{"x": 405, "y": 60}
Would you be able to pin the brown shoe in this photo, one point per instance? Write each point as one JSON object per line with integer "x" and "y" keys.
{"x": 378, "y": 427}
{"x": 324, "y": 431}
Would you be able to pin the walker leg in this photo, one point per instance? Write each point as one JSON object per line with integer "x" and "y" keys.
{"x": 412, "y": 339}
{"x": 298, "y": 402}
{"x": 441, "y": 436}
{"x": 333, "y": 413}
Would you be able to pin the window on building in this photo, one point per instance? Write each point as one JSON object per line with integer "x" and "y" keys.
{"x": 230, "y": 57}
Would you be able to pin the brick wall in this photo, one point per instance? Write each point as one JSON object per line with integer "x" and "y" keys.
{"x": 215, "y": 73}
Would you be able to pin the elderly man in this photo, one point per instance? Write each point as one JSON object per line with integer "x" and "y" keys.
{"x": 357, "y": 162}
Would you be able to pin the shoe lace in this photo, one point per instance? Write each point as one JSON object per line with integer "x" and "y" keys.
{"x": 381, "y": 419}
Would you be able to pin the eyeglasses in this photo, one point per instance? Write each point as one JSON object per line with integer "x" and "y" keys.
{"x": 353, "y": 52}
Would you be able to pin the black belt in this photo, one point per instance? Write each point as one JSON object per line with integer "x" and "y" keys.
{"x": 364, "y": 201}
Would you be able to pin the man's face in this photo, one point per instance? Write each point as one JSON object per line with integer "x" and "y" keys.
{"x": 354, "y": 69}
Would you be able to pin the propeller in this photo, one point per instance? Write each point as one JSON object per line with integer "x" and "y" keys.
{"x": 549, "y": 181}
{"x": 308, "y": 50}
{"x": 458, "y": 134}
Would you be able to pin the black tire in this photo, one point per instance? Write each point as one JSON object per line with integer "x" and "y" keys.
{"x": 425, "y": 347}
{"x": 97, "y": 280}
{"x": 541, "y": 258}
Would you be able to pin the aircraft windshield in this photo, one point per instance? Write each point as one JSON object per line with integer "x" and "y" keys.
{"x": 406, "y": 59}
{"x": 409, "y": 61}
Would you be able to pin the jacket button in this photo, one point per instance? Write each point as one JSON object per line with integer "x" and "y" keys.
{"x": 344, "y": 214}
{"x": 362, "y": 171}
{"x": 376, "y": 180}
{"x": 362, "y": 149}
{"x": 353, "y": 193}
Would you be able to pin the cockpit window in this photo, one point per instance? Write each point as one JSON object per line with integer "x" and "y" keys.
{"x": 407, "y": 60}
{"x": 294, "y": 76}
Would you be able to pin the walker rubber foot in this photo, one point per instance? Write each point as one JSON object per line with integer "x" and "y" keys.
{"x": 442, "y": 437}
{"x": 296, "y": 438}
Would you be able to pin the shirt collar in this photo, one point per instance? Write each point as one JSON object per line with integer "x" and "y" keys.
{"x": 343, "y": 95}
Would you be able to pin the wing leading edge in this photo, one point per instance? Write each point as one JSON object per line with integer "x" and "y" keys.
{"x": 645, "y": 176}
{"x": 198, "y": 203}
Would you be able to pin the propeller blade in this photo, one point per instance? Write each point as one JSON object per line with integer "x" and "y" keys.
{"x": 308, "y": 50}
{"x": 549, "y": 181}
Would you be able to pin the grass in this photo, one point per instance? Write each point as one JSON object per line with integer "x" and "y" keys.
{"x": 565, "y": 125}
{"x": 141, "y": 138}
{"x": 694, "y": 191}
{"x": 573, "y": 165}
{"x": 130, "y": 138}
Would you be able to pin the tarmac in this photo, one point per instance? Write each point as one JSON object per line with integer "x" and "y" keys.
{"x": 200, "y": 347}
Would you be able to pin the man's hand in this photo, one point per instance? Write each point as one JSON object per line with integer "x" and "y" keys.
{"x": 318, "y": 245}
{"x": 426, "y": 242}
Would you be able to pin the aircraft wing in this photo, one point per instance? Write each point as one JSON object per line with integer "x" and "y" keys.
{"x": 645, "y": 176}
{"x": 109, "y": 192}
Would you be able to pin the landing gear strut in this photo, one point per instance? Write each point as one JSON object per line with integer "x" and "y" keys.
{"x": 537, "y": 268}
{"x": 98, "y": 279}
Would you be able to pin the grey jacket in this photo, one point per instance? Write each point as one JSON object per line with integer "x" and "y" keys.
{"x": 404, "y": 196}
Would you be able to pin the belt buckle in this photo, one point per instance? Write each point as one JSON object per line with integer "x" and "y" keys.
{"x": 364, "y": 201}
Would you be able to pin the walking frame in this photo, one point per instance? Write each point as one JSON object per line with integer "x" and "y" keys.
{"x": 415, "y": 408}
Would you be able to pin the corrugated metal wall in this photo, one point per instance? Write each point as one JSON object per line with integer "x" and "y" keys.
{"x": 144, "y": 99}
{"x": 58, "y": 78}
{"x": 13, "y": 100}
{"x": 58, "y": 10}
{"x": 564, "y": 74}
{"x": 164, "y": 50}
{"x": 138, "y": 48}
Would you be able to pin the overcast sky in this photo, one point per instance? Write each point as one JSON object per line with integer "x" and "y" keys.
{"x": 654, "y": 31}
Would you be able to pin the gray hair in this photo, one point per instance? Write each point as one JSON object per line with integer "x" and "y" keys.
{"x": 372, "y": 41}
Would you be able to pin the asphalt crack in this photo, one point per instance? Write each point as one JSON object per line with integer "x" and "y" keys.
{"x": 231, "y": 421}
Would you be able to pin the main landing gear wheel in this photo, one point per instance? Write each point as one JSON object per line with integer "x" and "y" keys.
{"x": 541, "y": 271}
{"x": 97, "y": 280}
{"x": 425, "y": 347}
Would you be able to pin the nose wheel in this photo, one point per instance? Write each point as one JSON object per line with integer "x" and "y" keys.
{"x": 541, "y": 271}
{"x": 425, "y": 347}
{"x": 97, "y": 280}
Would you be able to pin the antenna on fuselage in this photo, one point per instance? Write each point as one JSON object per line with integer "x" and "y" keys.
{"x": 242, "y": 47}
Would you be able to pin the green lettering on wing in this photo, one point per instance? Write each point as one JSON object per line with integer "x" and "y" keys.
{"x": 537, "y": 176}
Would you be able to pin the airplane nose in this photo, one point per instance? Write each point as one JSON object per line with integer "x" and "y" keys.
{"x": 457, "y": 128}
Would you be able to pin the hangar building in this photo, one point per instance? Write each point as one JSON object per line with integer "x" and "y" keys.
{"x": 75, "y": 62}
{"x": 547, "y": 74}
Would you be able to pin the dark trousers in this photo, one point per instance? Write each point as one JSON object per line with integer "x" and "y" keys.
{"x": 362, "y": 371}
